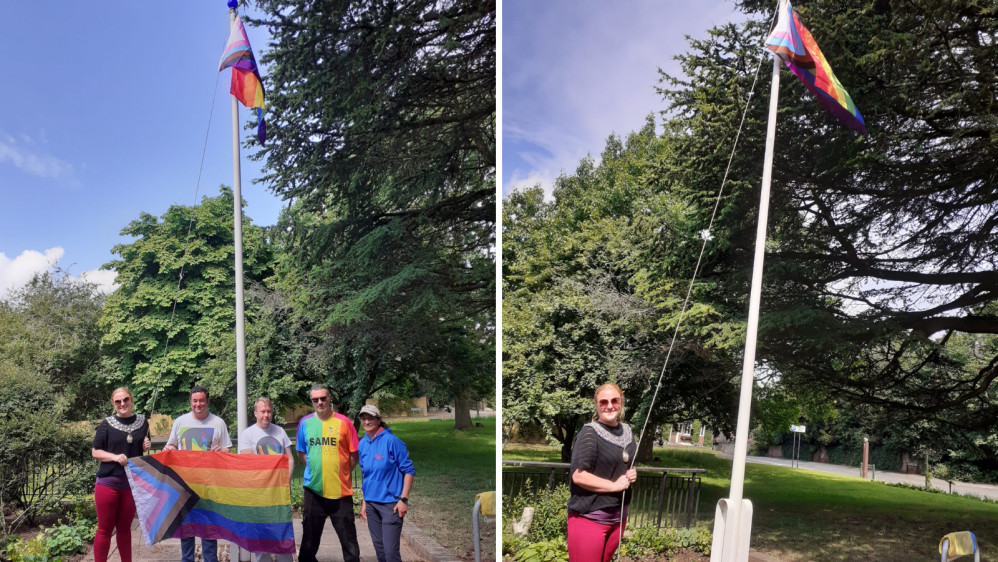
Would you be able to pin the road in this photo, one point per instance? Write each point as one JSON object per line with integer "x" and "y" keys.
{"x": 989, "y": 491}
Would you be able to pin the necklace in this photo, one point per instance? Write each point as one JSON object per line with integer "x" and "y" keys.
{"x": 623, "y": 440}
{"x": 113, "y": 422}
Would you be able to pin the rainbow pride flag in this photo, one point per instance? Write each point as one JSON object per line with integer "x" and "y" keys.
{"x": 792, "y": 42}
{"x": 246, "y": 86}
{"x": 244, "y": 499}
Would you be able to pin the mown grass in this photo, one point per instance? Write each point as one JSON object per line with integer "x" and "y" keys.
{"x": 803, "y": 515}
{"x": 451, "y": 468}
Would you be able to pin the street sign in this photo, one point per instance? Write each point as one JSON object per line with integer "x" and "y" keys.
{"x": 798, "y": 429}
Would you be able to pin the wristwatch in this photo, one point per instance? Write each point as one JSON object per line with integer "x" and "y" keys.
{"x": 404, "y": 500}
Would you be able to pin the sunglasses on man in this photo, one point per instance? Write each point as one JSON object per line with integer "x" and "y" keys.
{"x": 319, "y": 399}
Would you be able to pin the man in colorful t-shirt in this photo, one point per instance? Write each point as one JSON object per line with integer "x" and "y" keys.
{"x": 327, "y": 444}
{"x": 199, "y": 430}
{"x": 265, "y": 438}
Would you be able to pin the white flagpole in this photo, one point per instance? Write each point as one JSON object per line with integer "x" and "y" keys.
{"x": 237, "y": 218}
{"x": 733, "y": 517}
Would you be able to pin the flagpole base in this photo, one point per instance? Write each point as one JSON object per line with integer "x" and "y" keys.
{"x": 732, "y": 532}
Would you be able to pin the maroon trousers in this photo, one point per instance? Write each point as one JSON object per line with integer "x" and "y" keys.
{"x": 589, "y": 541}
{"x": 115, "y": 511}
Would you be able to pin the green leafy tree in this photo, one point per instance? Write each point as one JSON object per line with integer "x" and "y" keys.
{"x": 161, "y": 329}
{"x": 383, "y": 136}
{"x": 281, "y": 354}
{"x": 593, "y": 288}
{"x": 43, "y": 459}
{"x": 881, "y": 249}
{"x": 49, "y": 326}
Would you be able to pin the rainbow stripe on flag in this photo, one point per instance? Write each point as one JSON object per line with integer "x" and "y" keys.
{"x": 244, "y": 499}
{"x": 793, "y": 44}
{"x": 246, "y": 86}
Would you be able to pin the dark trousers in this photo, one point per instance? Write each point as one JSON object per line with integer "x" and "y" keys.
{"x": 385, "y": 526}
{"x": 315, "y": 510}
{"x": 209, "y": 549}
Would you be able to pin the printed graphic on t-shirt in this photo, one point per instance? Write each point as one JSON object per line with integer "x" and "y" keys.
{"x": 196, "y": 438}
{"x": 267, "y": 445}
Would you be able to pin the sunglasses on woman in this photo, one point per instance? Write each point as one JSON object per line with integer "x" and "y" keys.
{"x": 124, "y": 400}
{"x": 604, "y": 402}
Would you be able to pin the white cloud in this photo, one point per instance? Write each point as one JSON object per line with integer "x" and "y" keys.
{"x": 575, "y": 72}
{"x": 544, "y": 177}
{"x": 15, "y": 273}
{"x": 26, "y": 157}
{"x": 104, "y": 279}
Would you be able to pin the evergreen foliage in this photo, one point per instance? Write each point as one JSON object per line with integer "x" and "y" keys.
{"x": 384, "y": 142}
{"x": 881, "y": 250}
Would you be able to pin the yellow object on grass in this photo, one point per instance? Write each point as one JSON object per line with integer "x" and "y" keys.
{"x": 960, "y": 544}
{"x": 488, "y": 507}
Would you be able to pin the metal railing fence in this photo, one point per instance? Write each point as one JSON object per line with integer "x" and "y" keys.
{"x": 662, "y": 497}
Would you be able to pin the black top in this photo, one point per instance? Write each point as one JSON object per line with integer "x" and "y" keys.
{"x": 596, "y": 456}
{"x": 115, "y": 441}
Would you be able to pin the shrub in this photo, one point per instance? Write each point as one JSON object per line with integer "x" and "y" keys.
{"x": 33, "y": 550}
{"x": 651, "y": 542}
{"x": 546, "y": 551}
{"x": 297, "y": 497}
{"x": 68, "y": 539}
{"x": 550, "y": 512}
{"x": 511, "y": 544}
{"x": 42, "y": 459}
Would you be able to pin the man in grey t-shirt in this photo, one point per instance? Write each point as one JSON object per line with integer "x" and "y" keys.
{"x": 199, "y": 430}
{"x": 265, "y": 438}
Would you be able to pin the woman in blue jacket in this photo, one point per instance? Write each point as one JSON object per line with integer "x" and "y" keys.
{"x": 388, "y": 475}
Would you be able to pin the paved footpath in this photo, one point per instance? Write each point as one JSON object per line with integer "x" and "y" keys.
{"x": 416, "y": 546}
{"x": 989, "y": 491}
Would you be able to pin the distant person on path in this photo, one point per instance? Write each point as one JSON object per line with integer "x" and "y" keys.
{"x": 599, "y": 475}
{"x": 199, "y": 430}
{"x": 265, "y": 438}
{"x": 119, "y": 436}
{"x": 388, "y": 475}
{"x": 327, "y": 444}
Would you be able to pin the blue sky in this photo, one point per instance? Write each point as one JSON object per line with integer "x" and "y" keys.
{"x": 105, "y": 113}
{"x": 575, "y": 71}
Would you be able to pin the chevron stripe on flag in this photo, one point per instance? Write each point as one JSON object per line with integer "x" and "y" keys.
{"x": 244, "y": 499}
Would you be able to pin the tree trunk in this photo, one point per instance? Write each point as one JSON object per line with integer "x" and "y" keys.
{"x": 462, "y": 411}
{"x": 647, "y": 444}
{"x": 570, "y": 431}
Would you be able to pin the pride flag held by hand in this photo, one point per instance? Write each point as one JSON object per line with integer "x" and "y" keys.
{"x": 792, "y": 42}
{"x": 244, "y": 499}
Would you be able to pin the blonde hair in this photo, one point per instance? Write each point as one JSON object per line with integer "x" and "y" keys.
{"x": 608, "y": 386}
{"x": 126, "y": 391}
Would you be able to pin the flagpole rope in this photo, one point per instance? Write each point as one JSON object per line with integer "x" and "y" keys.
{"x": 187, "y": 246}
{"x": 689, "y": 292}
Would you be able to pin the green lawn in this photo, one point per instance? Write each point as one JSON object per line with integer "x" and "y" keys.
{"x": 451, "y": 468}
{"x": 803, "y": 515}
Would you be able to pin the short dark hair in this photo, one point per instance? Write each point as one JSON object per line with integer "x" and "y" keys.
{"x": 320, "y": 386}
{"x": 200, "y": 390}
